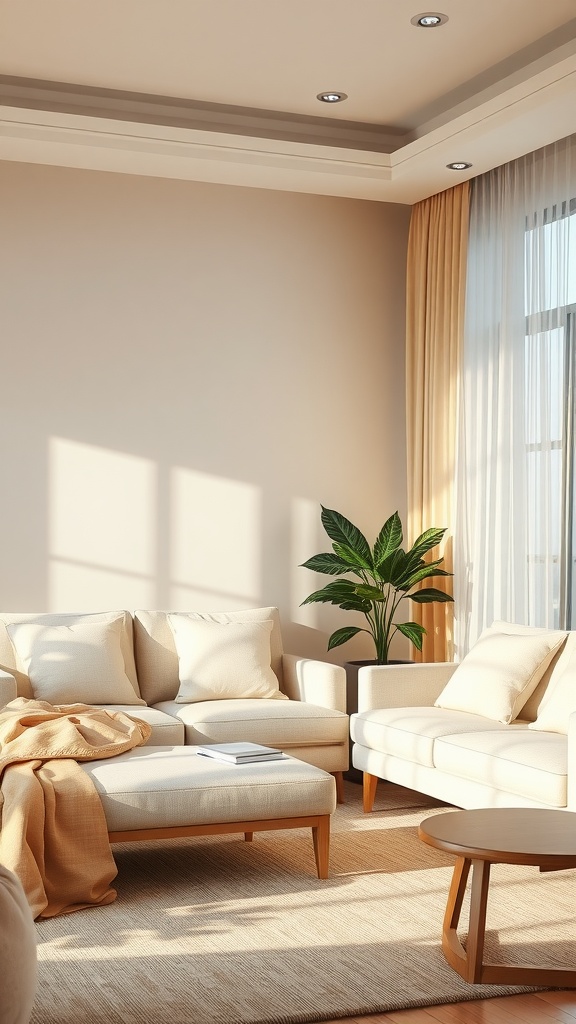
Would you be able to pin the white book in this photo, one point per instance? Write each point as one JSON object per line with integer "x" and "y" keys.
{"x": 240, "y": 753}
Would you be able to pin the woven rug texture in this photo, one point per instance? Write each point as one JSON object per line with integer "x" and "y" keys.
{"x": 219, "y": 931}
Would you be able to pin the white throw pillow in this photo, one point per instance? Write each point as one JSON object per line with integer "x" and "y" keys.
{"x": 559, "y": 702}
{"x": 77, "y": 663}
{"x": 499, "y": 673}
{"x": 222, "y": 660}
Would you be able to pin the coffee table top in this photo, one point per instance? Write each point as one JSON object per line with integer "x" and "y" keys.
{"x": 505, "y": 835}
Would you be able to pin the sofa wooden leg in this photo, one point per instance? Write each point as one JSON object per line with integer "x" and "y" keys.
{"x": 339, "y": 776}
{"x": 321, "y": 840}
{"x": 248, "y": 837}
{"x": 369, "y": 783}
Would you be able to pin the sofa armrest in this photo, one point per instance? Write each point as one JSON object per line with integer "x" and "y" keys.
{"x": 316, "y": 682}
{"x": 402, "y": 686}
{"x": 8, "y": 688}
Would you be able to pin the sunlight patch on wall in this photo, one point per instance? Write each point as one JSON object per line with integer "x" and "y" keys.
{"x": 102, "y": 527}
{"x": 216, "y": 531}
{"x": 305, "y": 519}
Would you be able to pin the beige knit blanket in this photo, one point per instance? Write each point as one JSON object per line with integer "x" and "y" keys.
{"x": 53, "y": 832}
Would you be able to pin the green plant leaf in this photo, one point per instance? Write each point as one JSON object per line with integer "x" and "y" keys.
{"x": 333, "y": 593}
{"x": 427, "y": 540}
{"x": 429, "y": 595}
{"x": 393, "y": 568}
{"x": 354, "y": 559}
{"x": 389, "y": 538}
{"x": 342, "y": 593}
{"x": 326, "y": 562}
{"x": 342, "y": 531}
{"x": 423, "y": 574}
{"x": 414, "y": 631}
{"x": 372, "y": 593}
{"x": 340, "y": 636}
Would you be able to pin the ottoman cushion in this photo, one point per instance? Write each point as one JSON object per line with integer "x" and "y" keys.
{"x": 166, "y": 787}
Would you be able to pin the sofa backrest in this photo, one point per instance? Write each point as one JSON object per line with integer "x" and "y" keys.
{"x": 9, "y": 660}
{"x": 155, "y": 650}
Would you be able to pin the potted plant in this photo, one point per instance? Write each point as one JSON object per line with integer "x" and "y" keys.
{"x": 385, "y": 576}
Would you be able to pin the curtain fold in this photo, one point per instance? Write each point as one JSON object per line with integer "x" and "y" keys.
{"x": 436, "y": 279}
{"x": 515, "y": 474}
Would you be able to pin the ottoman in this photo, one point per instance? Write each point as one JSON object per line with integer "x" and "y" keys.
{"x": 170, "y": 792}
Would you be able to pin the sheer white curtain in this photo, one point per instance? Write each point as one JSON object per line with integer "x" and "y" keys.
{"x": 514, "y": 540}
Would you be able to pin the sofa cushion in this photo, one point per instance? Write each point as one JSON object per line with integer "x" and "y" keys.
{"x": 75, "y": 662}
{"x": 499, "y": 673}
{"x": 223, "y": 660}
{"x": 511, "y": 759}
{"x": 155, "y": 648}
{"x": 559, "y": 701}
{"x": 166, "y": 730}
{"x": 9, "y": 659}
{"x": 410, "y": 733}
{"x": 284, "y": 724}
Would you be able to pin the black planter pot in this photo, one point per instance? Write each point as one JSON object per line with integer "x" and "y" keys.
{"x": 351, "y": 667}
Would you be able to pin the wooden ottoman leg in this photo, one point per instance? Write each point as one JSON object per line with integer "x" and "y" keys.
{"x": 321, "y": 840}
{"x": 369, "y": 783}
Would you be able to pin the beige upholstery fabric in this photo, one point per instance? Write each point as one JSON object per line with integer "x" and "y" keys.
{"x": 529, "y": 710}
{"x": 17, "y": 952}
{"x": 559, "y": 701}
{"x": 155, "y": 649}
{"x": 274, "y": 723}
{"x": 499, "y": 673}
{"x": 75, "y": 662}
{"x": 410, "y": 733}
{"x": 512, "y": 759}
{"x": 223, "y": 660}
{"x": 159, "y": 788}
{"x": 9, "y": 660}
{"x": 166, "y": 730}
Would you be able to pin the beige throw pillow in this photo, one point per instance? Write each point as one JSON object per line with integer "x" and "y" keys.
{"x": 79, "y": 663}
{"x": 559, "y": 701}
{"x": 222, "y": 660}
{"x": 499, "y": 673}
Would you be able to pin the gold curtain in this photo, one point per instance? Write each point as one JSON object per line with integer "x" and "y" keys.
{"x": 436, "y": 281}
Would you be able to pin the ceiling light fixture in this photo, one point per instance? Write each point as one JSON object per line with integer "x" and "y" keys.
{"x": 429, "y": 20}
{"x": 331, "y": 97}
{"x": 459, "y": 165}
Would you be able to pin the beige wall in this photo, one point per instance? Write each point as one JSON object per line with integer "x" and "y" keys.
{"x": 189, "y": 370}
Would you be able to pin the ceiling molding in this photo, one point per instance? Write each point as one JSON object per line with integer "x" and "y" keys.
{"x": 60, "y": 124}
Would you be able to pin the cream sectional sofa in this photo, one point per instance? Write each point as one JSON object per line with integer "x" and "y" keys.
{"x": 195, "y": 677}
{"x": 497, "y": 730}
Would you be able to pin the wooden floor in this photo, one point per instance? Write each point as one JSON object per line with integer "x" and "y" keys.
{"x": 533, "y": 1008}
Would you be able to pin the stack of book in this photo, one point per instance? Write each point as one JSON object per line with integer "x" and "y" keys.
{"x": 240, "y": 753}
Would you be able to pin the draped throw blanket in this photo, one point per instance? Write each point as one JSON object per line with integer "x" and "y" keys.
{"x": 53, "y": 832}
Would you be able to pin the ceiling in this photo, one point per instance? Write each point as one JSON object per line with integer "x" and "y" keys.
{"x": 225, "y": 90}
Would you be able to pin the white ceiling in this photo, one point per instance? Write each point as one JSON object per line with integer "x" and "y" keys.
{"x": 225, "y": 90}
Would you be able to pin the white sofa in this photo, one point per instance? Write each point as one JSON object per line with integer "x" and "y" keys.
{"x": 498, "y": 730}
{"x": 130, "y": 661}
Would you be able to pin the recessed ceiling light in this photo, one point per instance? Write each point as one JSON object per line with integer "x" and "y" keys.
{"x": 331, "y": 97}
{"x": 429, "y": 20}
{"x": 459, "y": 165}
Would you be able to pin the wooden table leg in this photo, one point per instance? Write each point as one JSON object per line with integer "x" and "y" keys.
{"x": 453, "y": 949}
{"x": 477, "y": 920}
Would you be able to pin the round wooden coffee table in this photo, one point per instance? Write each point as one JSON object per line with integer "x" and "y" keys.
{"x": 502, "y": 835}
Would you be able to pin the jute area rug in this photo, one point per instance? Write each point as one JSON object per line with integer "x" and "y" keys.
{"x": 219, "y": 931}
